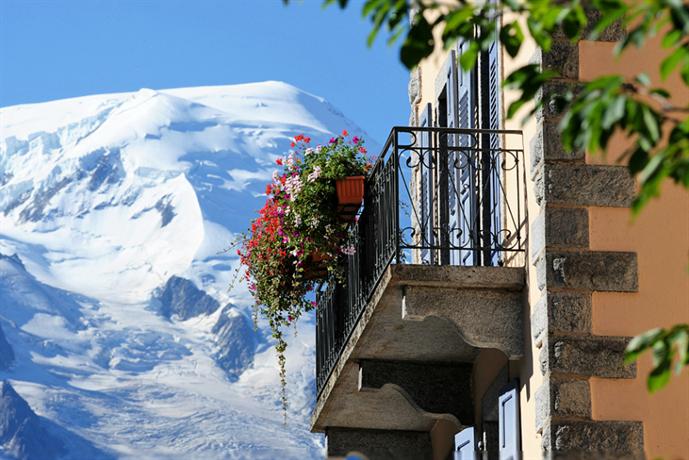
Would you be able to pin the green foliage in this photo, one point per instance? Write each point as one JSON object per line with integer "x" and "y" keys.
{"x": 298, "y": 237}
{"x": 669, "y": 347}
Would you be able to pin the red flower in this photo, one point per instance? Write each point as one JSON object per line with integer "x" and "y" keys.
{"x": 345, "y": 133}
{"x": 279, "y": 161}
{"x": 292, "y": 144}
{"x": 362, "y": 149}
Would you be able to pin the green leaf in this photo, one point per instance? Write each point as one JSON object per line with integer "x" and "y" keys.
{"x": 680, "y": 336}
{"x": 614, "y": 112}
{"x": 641, "y": 343}
{"x": 672, "y": 37}
{"x": 658, "y": 378}
{"x": 512, "y": 37}
{"x": 514, "y": 108}
{"x": 652, "y": 166}
{"x": 643, "y": 79}
{"x": 542, "y": 37}
{"x": 468, "y": 58}
{"x": 637, "y": 161}
{"x": 572, "y": 26}
{"x": 418, "y": 44}
{"x": 651, "y": 122}
{"x": 670, "y": 62}
{"x": 660, "y": 92}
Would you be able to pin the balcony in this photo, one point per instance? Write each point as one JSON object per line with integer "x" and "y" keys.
{"x": 436, "y": 279}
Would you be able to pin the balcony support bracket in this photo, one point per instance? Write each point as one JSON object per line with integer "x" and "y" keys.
{"x": 484, "y": 318}
{"x": 433, "y": 387}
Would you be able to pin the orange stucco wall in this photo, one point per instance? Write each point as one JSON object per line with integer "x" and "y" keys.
{"x": 660, "y": 237}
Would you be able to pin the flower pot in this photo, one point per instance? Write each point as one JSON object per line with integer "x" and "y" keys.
{"x": 350, "y": 193}
{"x": 350, "y": 190}
{"x": 316, "y": 269}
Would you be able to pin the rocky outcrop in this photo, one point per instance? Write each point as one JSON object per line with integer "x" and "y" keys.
{"x": 22, "y": 434}
{"x": 181, "y": 298}
{"x": 236, "y": 341}
{"x": 6, "y": 352}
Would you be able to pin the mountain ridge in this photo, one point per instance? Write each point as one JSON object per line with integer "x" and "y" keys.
{"x": 120, "y": 209}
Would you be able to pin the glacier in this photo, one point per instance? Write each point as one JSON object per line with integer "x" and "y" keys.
{"x": 124, "y": 332}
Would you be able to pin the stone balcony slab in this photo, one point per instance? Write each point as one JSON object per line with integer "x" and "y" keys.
{"x": 420, "y": 314}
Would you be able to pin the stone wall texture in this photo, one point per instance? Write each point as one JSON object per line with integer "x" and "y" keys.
{"x": 568, "y": 272}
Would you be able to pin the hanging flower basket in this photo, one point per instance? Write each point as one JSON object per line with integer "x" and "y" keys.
{"x": 299, "y": 236}
{"x": 350, "y": 193}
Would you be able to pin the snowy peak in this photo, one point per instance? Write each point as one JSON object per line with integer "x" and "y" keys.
{"x": 122, "y": 211}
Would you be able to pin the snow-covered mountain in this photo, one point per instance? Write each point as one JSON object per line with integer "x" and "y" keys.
{"x": 119, "y": 336}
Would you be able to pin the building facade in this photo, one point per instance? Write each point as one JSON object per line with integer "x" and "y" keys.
{"x": 498, "y": 279}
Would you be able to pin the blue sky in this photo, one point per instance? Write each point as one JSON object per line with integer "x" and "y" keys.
{"x": 51, "y": 49}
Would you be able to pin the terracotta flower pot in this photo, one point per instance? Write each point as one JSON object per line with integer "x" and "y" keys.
{"x": 316, "y": 269}
{"x": 350, "y": 190}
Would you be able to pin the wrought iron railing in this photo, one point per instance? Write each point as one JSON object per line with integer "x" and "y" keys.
{"x": 436, "y": 196}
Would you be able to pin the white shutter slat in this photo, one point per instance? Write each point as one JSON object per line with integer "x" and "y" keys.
{"x": 508, "y": 423}
{"x": 465, "y": 445}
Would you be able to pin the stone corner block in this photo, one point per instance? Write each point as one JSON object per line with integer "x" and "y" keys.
{"x": 594, "y": 439}
{"x": 567, "y": 227}
{"x": 561, "y": 312}
{"x": 553, "y": 148}
{"x": 593, "y": 271}
{"x": 569, "y": 312}
{"x": 563, "y": 58}
{"x": 588, "y": 185}
{"x": 560, "y": 397}
{"x": 588, "y": 356}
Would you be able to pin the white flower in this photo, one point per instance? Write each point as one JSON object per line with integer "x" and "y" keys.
{"x": 349, "y": 250}
{"x": 290, "y": 159}
{"x": 293, "y": 186}
{"x": 308, "y": 151}
{"x": 315, "y": 174}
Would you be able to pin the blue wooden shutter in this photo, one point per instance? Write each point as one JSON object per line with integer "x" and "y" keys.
{"x": 465, "y": 169}
{"x": 453, "y": 159}
{"x": 508, "y": 424}
{"x": 465, "y": 445}
{"x": 494, "y": 123}
{"x": 426, "y": 163}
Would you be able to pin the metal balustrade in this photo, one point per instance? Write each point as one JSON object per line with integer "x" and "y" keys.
{"x": 436, "y": 196}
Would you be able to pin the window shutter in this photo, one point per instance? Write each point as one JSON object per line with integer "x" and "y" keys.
{"x": 494, "y": 123}
{"x": 465, "y": 168}
{"x": 508, "y": 424}
{"x": 494, "y": 91}
{"x": 426, "y": 163}
{"x": 452, "y": 141}
{"x": 465, "y": 445}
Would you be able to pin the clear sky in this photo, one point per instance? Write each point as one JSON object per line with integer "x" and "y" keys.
{"x": 52, "y": 49}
